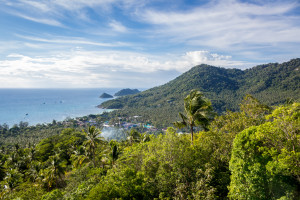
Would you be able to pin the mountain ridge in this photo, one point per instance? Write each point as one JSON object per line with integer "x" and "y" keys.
{"x": 271, "y": 83}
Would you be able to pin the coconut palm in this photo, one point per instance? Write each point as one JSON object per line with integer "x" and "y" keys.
{"x": 79, "y": 157}
{"x": 114, "y": 151}
{"x": 198, "y": 112}
{"x": 53, "y": 174}
{"x": 13, "y": 178}
{"x": 32, "y": 173}
{"x": 133, "y": 136}
{"x": 92, "y": 139}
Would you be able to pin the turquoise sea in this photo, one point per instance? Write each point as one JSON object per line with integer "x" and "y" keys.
{"x": 43, "y": 105}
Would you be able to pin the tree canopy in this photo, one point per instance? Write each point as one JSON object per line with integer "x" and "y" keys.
{"x": 250, "y": 154}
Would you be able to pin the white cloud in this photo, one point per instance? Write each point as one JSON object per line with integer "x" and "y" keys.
{"x": 204, "y": 57}
{"x": 46, "y": 6}
{"x": 235, "y": 27}
{"x": 79, "y": 4}
{"x": 55, "y": 12}
{"x": 72, "y": 40}
{"x": 41, "y": 6}
{"x": 199, "y": 57}
{"x": 117, "y": 26}
{"x": 101, "y": 68}
{"x": 227, "y": 24}
{"x": 40, "y": 19}
{"x": 52, "y": 12}
{"x": 193, "y": 58}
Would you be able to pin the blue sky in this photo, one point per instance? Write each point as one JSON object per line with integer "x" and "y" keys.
{"x": 138, "y": 43}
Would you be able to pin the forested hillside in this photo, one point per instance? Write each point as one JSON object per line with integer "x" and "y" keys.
{"x": 251, "y": 154}
{"x": 271, "y": 83}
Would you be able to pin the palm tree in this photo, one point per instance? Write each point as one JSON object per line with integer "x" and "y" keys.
{"x": 114, "y": 151}
{"x": 53, "y": 174}
{"x": 198, "y": 112}
{"x": 79, "y": 157}
{"x": 32, "y": 173}
{"x": 92, "y": 139}
{"x": 145, "y": 137}
{"x": 2, "y": 168}
{"x": 133, "y": 136}
{"x": 13, "y": 178}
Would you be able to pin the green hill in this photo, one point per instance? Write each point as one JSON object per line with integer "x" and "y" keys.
{"x": 105, "y": 95}
{"x": 126, "y": 91}
{"x": 270, "y": 83}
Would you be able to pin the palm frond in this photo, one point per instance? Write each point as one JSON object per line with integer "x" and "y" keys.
{"x": 179, "y": 124}
{"x": 183, "y": 117}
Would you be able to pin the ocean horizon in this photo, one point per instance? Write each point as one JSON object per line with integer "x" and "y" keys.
{"x": 38, "y": 106}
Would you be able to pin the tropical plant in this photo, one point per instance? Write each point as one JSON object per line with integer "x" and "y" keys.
{"x": 13, "y": 178}
{"x": 266, "y": 158}
{"x": 53, "y": 174}
{"x": 133, "y": 136}
{"x": 198, "y": 112}
{"x": 79, "y": 157}
{"x": 92, "y": 139}
{"x": 114, "y": 151}
{"x": 253, "y": 108}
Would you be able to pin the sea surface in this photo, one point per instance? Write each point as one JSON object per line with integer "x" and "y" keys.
{"x": 45, "y": 105}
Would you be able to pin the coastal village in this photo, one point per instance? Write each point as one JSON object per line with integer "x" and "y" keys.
{"x": 124, "y": 123}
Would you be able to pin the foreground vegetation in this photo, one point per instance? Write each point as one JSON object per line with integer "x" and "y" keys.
{"x": 250, "y": 154}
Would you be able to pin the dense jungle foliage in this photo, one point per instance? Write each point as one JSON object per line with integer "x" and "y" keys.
{"x": 250, "y": 154}
{"x": 272, "y": 83}
{"x": 26, "y": 135}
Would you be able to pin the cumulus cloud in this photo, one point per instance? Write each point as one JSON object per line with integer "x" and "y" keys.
{"x": 102, "y": 68}
{"x": 198, "y": 57}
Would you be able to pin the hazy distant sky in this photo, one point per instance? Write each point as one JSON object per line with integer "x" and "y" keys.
{"x": 138, "y": 43}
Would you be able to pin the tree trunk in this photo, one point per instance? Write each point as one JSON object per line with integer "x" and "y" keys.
{"x": 192, "y": 135}
{"x": 94, "y": 162}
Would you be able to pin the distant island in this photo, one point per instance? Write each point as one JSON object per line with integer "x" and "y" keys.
{"x": 106, "y": 96}
{"x": 127, "y": 91}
